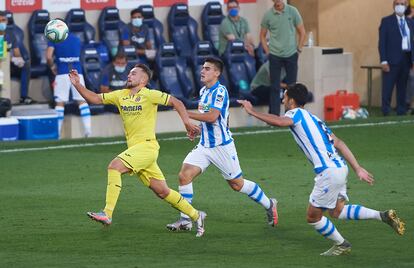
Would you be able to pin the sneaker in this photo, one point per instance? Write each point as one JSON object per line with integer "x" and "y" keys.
{"x": 183, "y": 224}
{"x": 100, "y": 217}
{"x": 390, "y": 217}
{"x": 200, "y": 223}
{"x": 27, "y": 100}
{"x": 336, "y": 250}
{"x": 272, "y": 216}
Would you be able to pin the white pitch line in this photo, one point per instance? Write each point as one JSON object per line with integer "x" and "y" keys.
{"x": 243, "y": 133}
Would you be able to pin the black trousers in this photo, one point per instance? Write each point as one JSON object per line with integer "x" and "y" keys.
{"x": 275, "y": 65}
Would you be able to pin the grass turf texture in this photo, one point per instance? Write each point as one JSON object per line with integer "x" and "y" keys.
{"x": 45, "y": 194}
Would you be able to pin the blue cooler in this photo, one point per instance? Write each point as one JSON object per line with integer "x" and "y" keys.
{"x": 9, "y": 129}
{"x": 38, "y": 127}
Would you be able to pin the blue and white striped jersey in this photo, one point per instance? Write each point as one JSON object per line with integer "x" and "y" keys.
{"x": 217, "y": 133}
{"x": 314, "y": 138}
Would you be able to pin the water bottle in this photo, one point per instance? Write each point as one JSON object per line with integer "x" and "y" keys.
{"x": 1, "y": 79}
{"x": 310, "y": 39}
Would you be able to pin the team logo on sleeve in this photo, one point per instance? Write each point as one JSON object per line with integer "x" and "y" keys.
{"x": 219, "y": 98}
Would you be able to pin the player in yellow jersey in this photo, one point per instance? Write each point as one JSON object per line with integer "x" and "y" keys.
{"x": 138, "y": 109}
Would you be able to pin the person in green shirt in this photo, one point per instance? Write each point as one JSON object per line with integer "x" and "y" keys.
{"x": 287, "y": 37}
{"x": 235, "y": 27}
{"x": 260, "y": 85}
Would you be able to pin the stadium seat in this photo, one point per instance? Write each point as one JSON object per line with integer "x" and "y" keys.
{"x": 18, "y": 34}
{"x": 241, "y": 69}
{"x": 211, "y": 18}
{"x": 91, "y": 65}
{"x": 131, "y": 55}
{"x": 172, "y": 75}
{"x": 38, "y": 42}
{"x": 76, "y": 21}
{"x": 201, "y": 51}
{"x": 110, "y": 27}
{"x": 182, "y": 30}
{"x": 155, "y": 27}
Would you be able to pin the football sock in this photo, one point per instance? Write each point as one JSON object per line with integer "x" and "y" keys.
{"x": 178, "y": 202}
{"x": 187, "y": 192}
{"x": 85, "y": 114}
{"x": 113, "y": 190}
{"x": 326, "y": 228}
{"x": 357, "y": 212}
{"x": 60, "y": 110}
{"x": 256, "y": 193}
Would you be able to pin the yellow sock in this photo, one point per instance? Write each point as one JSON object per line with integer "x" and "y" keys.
{"x": 178, "y": 202}
{"x": 112, "y": 191}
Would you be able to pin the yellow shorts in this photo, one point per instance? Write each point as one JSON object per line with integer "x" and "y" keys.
{"x": 142, "y": 160}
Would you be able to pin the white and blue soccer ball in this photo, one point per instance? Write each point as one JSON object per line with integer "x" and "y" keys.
{"x": 362, "y": 113}
{"x": 348, "y": 113}
{"x": 56, "y": 30}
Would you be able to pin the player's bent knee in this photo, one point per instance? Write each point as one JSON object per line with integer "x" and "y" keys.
{"x": 184, "y": 178}
{"x": 118, "y": 165}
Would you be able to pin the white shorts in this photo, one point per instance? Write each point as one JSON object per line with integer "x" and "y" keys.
{"x": 330, "y": 185}
{"x": 62, "y": 86}
{"x": 224, "y": 157}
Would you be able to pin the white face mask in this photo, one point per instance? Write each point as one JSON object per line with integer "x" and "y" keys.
{"x": 399, "y": 9}
{"x": 137, "y": 22}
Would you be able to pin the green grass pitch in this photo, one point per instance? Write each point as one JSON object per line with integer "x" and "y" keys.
{"x": 44, "y": 197}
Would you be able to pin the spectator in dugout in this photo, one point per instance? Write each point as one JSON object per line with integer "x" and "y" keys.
{"x": 136, "y": 33}
{"x": 18, "y": 65}
{"x": 115, "y": 75}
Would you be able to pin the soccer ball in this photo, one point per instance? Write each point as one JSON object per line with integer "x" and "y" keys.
{"x": 348, "y": 113}
{"x": 56, "y": 30}
{"x": 362, "y": 113}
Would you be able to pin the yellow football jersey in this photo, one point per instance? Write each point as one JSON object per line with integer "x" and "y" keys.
{"x": 138, "y": 111}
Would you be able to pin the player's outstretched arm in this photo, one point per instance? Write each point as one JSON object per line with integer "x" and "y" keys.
{"x": 192, "y": 130}
{"x": 350, "y": 158}
{"x": 89, "y": 96}
{"x": 271, "y": 119}
{"x": 209, "y": 117}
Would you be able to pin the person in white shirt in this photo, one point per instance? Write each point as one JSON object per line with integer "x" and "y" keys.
{"x": 323, "y": 149}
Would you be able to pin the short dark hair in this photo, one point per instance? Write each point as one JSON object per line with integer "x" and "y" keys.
{"x": 136, "y": 10}
{"x": 3, "y": 13}
{"x": 218, "y": 63}
{"x": 145, "y": 68}
{"x": 232, "y": 1}
{"x": 299, "y": 93}
{"x": 120, "y": 55}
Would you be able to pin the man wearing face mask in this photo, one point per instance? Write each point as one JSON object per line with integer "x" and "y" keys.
{"x": 137, "y": 34}
{"x": 235, "y": 27}
{"x": 115, "y": 74}
{"x": 18, "y": 64}
{"x": 396, "y": 51}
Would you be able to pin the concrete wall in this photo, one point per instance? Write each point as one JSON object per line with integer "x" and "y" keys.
{"x": 353, "y": 25}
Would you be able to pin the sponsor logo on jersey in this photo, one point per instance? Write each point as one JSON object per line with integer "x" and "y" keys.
{"x": 204, "y": 107}
{"x": 131, "y": 108}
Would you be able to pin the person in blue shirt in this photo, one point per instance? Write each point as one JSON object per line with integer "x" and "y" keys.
{"x": 61, "y": 58}
{"x": 19, "y": 66}
{"x": 217, "y": 147}
{"x": 326, "y": 152}
{"x": 115, "y": 75}
{"x": 136, "y": 33}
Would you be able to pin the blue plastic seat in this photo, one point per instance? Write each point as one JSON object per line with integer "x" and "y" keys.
{"x": 38, "y": 42}
{"x": 131, "y": 55}
{"x": 76, "y": 21}
{"x": 91, "y": 65}
{"x": 203, "y": 50}
{"x": 241, "y": 68}
{"x": 211, "y": 18}
{"x": 173, "y": 78}
{"x": 182, "y": 30}
{"x": 155, "y": 27}
{"x": 110, "y": 28}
